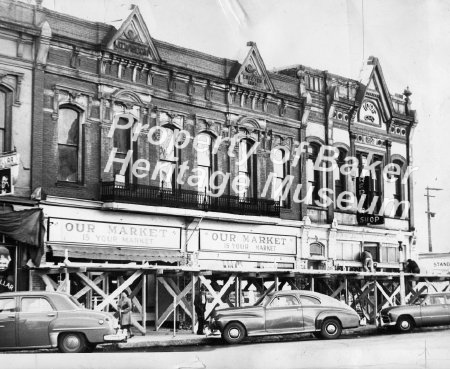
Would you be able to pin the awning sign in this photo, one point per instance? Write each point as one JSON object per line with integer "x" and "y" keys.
{"x": 255, "y": 243}
{"x": 115, "y": 234}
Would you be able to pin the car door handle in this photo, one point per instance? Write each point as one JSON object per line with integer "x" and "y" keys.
{"x": 51, "y": 314}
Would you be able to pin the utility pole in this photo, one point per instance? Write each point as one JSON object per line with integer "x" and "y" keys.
{"x": 430, "y": 214}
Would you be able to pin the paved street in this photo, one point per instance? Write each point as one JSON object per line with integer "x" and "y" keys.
{"x": 425, "y": 349}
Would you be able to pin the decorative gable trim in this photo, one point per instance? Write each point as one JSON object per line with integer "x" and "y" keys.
{"x": 253, "y": 73}
{"x": 133, "y": 38}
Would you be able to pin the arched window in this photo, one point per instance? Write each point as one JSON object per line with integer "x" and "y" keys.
{"x": 316, "y": 178}
{"x": 205, "y": 161}
{"x": 340, "y": 180}
{"x": 370, "y": 185}
{"x": 69, "y": 138}
{"x": 317, "y": 249}
{"x": 281, "y": 169}
{"x": 169, "y": 158}
{"x": 5, "y": 120}
{"x": 246, "y": 169}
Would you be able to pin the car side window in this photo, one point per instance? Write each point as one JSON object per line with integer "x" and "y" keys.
{"x": 35, "y": 305}
{"x": 437, "y": 300}
{"x": 308, "y": 300}
{"x": 7, "y": 305}
{"x": 282, "y": 301}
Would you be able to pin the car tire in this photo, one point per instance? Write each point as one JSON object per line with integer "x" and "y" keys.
{"x": 233, "y": 333}
{"x": 72, "y": 343}
{"x": 331, "y": 329}
{"x": 404, "y": 324}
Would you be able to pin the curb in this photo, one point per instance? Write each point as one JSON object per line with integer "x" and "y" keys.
{"x": 208, "y": 340}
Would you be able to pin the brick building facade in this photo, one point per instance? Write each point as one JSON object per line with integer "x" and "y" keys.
{"x": 204, "y": 142}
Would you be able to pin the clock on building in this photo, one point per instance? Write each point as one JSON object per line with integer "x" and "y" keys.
{"x": 369, "y": 113}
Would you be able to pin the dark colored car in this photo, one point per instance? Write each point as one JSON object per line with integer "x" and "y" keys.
{"x": 51, "y": 319}
{"x": 429, "y": 309}
{"x": 285, "y": 312}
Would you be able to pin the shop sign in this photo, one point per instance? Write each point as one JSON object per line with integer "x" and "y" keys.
{"x": 254, "y": 243}
{"x": 114, "y": 234}
{"x": 240, "y": 264}
{"x": 7, "y": 161}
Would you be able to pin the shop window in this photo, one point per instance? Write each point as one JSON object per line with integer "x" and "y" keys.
{"x": 169, "y": 159}
{"x": 5, "y": 119}
{"x": 316, "y": 178}
{"x": 281, "y": 169}
{"x": 69, "y": 138}
{"x": 247, "y": 170}
{"x": 390, "y": 255}
{"x": 349, "y": 251}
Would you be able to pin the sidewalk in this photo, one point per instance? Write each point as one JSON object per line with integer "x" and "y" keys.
{"x": 165, "y": 338}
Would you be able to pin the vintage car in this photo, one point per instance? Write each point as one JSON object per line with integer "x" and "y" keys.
{"x": 429, "y": 309}
{"x": 285, "y": 312}
{"x": 42, "y": 319}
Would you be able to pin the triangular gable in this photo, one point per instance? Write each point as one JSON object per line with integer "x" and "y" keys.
{"x": 372, "y": 79}
{"x": 133, "y": 38}
{"x": 253, "y": 72}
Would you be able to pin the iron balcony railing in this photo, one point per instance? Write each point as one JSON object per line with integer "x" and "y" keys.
{"x": 158, "y": 196}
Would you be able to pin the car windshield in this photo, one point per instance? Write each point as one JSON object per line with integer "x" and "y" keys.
{"x": 264, "y": 301}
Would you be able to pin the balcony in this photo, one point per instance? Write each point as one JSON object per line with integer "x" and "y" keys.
{"x": 157, "y": 196}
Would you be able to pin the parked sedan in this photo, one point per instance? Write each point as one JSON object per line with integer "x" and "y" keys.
{"x": 428, "y": 310}
{"x": 51, "y": 319}
{"x": 285, "y": 312}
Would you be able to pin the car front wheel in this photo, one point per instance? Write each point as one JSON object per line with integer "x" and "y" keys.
{"x": 233, "y": 333}
{"x": 331, "y": 329}
{"x": 404, "y": 324}
{"x": 72, "y": 343}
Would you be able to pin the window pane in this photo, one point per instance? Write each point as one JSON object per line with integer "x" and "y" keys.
{"x": 167, "y": 147}
{"x": 35, "y": 305}
{"x": 243, "y": 165}
{"x": 68, "y": 127}
{"x": 203, "y": 178}
{"x": 2, "y": 138}
{"x": 122, "y": 138}
{"x": 276, "y": 189}
{"x": 68, "y": 163}
{"x": 166, "y": 174}
{"x": 7, "y": 305}
{"x": 306, "y": 300}
{"x": 203, "y": 149}
{"x": 2, "y": 109}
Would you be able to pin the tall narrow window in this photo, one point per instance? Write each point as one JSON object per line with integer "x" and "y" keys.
{"x": 5, "y": 120}
{"x": 281, "y": 170}
{"x": 372, "y": 187}
{"x": 340, "y": 180}
{"x": 315, "y": 177}
{"x": 122, "y": 142}
{"x": 68, "y": 145}
{"x": 398, "y": 189}
{"x": 168, "y": 156}
{"x": 247, "y": 170}
{"x": 204, "y": 161}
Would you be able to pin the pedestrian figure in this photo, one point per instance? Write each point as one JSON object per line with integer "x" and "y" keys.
{"x": 412, "y": 267}
{"x": 125, "y": 312}
{"x": 367, "y": 260}
{"x": 200, "y": 307}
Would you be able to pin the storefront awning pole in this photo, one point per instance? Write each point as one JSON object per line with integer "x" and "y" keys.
{"x": 194, "y": 281}
{"x": 174, "y": 315}
{"x": 156, "y": 301}
{"x": 144, "y": 301}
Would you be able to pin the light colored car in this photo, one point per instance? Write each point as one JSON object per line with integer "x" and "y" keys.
{"x": 42, "y": 319}
{"x": 285, "y": 312}
{"x": 429, "y": 309}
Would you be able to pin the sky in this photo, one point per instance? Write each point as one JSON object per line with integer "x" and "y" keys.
{"x": 410, "y": 38}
